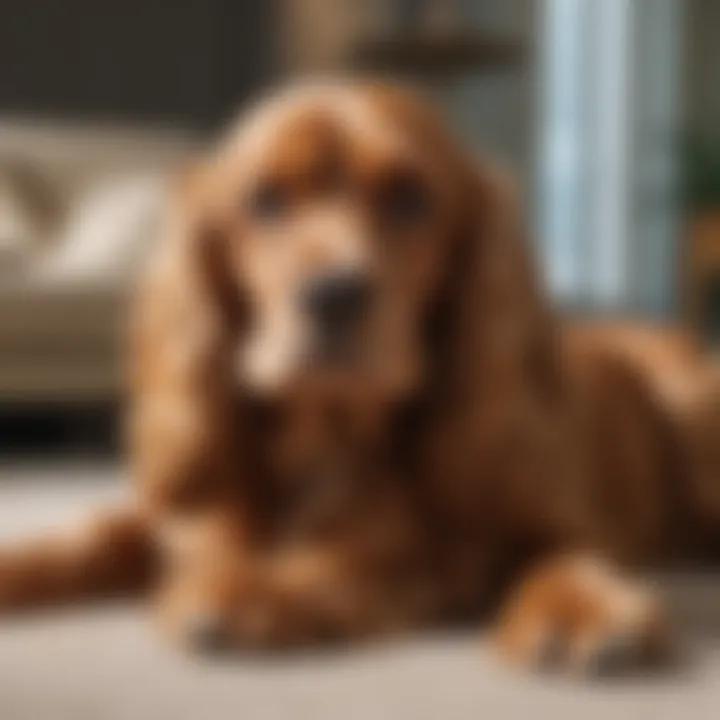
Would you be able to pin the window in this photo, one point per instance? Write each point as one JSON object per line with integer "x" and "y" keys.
{"x": 607, "y": 191}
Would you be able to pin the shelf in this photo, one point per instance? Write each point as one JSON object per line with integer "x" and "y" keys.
{"x": 424, "y": 54}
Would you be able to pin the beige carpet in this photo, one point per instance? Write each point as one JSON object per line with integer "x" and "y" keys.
{"x": 107, "y": 663}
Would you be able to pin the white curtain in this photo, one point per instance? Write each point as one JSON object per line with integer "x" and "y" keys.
{"x": 607, "y": 182}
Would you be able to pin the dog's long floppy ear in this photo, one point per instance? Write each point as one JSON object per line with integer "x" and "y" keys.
{"x": 184, "y": 324}
{"x": 498, "y": 373}
{"x": 498, "y": 329}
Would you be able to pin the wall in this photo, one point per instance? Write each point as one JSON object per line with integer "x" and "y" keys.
{"x": 187, "y": 62}
{"x": 497, "y": 109}
{"x": 702, "y": 66}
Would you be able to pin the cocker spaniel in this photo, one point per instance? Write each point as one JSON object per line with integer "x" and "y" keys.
{"x": 354, "y": 413}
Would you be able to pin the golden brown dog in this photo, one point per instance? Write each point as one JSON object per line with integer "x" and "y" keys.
{"x": 354, "y": 413}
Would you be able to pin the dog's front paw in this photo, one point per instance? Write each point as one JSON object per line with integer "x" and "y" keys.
{"x": 237, "y": 615}
{"x": 299, "y": 599}
{"x": 268, "y": 605}
{"x": 576, "y": 613}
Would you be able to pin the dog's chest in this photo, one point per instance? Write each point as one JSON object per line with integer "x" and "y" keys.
{"x": 320, "y": 461}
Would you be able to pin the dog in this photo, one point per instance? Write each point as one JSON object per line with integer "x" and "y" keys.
{"x": 354, "y": 412}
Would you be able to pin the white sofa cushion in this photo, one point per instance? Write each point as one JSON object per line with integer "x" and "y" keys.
{"x": 107, "y": 232}
{"x": 27, "y": 214}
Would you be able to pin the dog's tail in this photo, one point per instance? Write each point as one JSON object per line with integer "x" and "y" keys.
{"x": 110, "y": 556}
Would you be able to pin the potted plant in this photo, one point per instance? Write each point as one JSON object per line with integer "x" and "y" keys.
{"x": 701, "y": 266}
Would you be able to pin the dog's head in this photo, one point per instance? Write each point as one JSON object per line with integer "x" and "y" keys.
{"x": 346, "y": 224}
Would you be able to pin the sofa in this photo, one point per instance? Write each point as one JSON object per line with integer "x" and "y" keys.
{"x": 79, "y": 209}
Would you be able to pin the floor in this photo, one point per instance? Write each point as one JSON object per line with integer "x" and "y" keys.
{"x": 106, "y": 663}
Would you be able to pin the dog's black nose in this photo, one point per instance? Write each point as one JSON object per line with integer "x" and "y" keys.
{"x": 337, "y": 299}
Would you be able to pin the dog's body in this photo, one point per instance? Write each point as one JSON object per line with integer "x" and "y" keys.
{"x": 354, "y": 412}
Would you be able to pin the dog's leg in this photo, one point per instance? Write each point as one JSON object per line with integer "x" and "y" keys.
{"x": 111, "y": 555}
{"x": 577, "y": 613}
{"x": 205, "y": 560}
{"x": 220, "y": 597}
{"x": 216, "y": 596}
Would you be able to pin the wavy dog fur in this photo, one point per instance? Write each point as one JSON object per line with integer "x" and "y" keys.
{"x": 481, "y": 456}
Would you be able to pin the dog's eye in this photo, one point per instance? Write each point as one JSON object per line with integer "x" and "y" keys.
{"x": 405, "y": 200}
{"x": 268, "y": 201}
